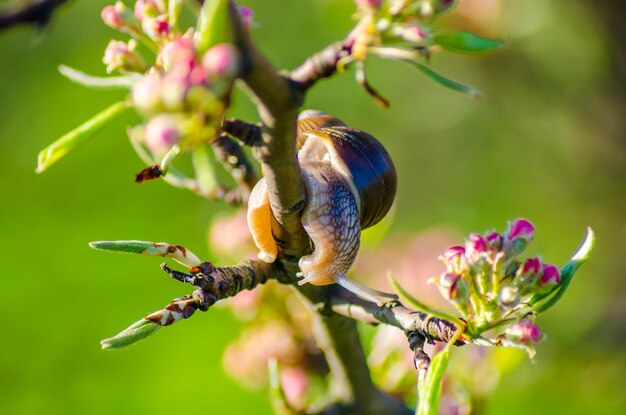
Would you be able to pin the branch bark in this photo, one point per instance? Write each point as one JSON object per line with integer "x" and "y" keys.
{"x": 278, "y": 102}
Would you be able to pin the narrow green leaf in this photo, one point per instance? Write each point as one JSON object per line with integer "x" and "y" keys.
{"x": 131, "y": 247}
{"x": 96, "y": 82}
{"x": 71, "y": 140}
{"x": 163, "y": 249}
{"x": 466, "y": 42}
{"x": 213, "y": 25}
{"x": 567, "y": 272}
{"x": 448, "y": 83}
{"x": 431, "y": 391}
{"x": 137, "y": 331}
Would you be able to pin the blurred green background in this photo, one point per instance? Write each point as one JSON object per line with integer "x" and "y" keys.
{"x": 546, "y": 143}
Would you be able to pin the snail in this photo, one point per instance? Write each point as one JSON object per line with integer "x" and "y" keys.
{"x": 350, "y": 183}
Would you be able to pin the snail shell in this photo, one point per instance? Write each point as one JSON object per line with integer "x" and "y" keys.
{"x": 350, "y": 183}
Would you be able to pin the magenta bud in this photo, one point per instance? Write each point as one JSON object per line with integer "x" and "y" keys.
{"x": 521, "y": 229}
{"x": 111, "y": 17}
{"x": 475, "y": 247}
{"x": 368, "y": 3}
{"x": 524, "y": 332}
{"x": 454, "y": 253}
{"x": 246, "y": 15}
{"x": 160, "y": 27}
{"x": 551, "y": 275}
{"x": 161, "y": 133}
{"x": 453, "y": 258}
{"x": 494, "y": 242}
{"x": 221, "y": 62}
{"x": 531, "y": 266}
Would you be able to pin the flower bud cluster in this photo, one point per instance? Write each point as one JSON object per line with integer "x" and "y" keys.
{"x": 489, "y": 284}
{"x": 397, "y": 22}
{"x": 123, "y": 57}
{"x": 183, "y": 94}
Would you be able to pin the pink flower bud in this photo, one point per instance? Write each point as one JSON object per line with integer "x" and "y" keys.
{"x": 295, "y": 384}
{"x": 119, "y": 55}
{"x": 453, "y": 258}
{"x": 476, "y": 246}
{"x": 246, "y": 15}
{"x": 447, "y": 285}
{"x": 524, "y": 332}
{"x": 160, "y": 27}
{"x": 531, "y": 266}
{"x": 551, "y": 275}
{"x": 494, "y": 242}
{"x": 368, "y": 3}
{"x": 521, "y": 229}
{"x": 111, "y": 17}
{"x": 180, "y": 51}
{"x": 149, "y": 9}
{"x": 413, "y": 34}
{"x": 147, "y": 93}
{"x": 161, "y": 133}
{"x": 221, "y": 62}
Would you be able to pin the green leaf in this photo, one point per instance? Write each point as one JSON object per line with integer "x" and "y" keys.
{"x": 163, "y": 249}
{"x": 466, "y": 42}
{"x": 96, "y": 82}
{"x": 131, "y": 247}
{"x": 567, "y": 272}
{"x": 71, "y": 140}
{"x": 431, "y": 389}
{"x": 448, "y": 83}
{"x": 173, "y": 10}
{"x": 137, "y": 331}
{"x": 213, "y": 25}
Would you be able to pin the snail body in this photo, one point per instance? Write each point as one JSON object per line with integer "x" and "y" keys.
{"x": 350, "y": 183}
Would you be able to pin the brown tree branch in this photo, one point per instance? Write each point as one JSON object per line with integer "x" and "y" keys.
{"x": 279, "y": 102}
{"x": 37, "y": 12}
{"x": 350, "y": 387}
{"x": 241, "y": 168}
{"x": 321, "y": 65}
{"x": 213, "y": 284}
{"x": 394, "y": 314}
